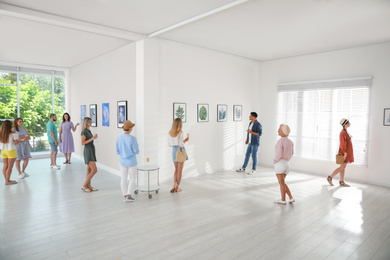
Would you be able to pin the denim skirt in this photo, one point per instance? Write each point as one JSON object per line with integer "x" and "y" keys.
{"x": 174, "y": 151}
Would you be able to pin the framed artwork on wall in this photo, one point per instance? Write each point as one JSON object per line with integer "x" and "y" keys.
{"x": 83, "y": 112}
{"x": 386, "y": 117}
{"x": 222, "y": 113}
{"x": 237, "y": 112}
{"x": 93, "y": 114}
{"x": 106, "y": 114}
{"x": 203, "y": 112}
{"x": 180, "y": 111}
{"x": 121, "y": 113}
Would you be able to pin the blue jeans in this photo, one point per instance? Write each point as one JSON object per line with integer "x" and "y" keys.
{"x": 252, "y": 149}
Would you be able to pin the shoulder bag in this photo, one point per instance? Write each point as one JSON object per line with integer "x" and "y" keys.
{"x": 181, "y": 155}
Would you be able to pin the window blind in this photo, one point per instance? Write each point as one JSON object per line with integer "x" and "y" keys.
{"x": 314, "y": 109}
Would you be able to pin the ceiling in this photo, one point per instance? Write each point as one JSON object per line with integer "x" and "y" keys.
{"x": 66, "y": 33}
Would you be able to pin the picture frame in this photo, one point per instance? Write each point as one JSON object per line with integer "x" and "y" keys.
{"x": 106, "y": 114}
{"x": 180, "y": 111}
{"x": 93, "y": 114}
{"x": 237, "y": 112}
{"x": 121, "y": 113}
{"x": 386, "y": 117}
{"x": 203, "y": 112}
{"x": 222, "y": 113}
{"x": 83, "y": 112}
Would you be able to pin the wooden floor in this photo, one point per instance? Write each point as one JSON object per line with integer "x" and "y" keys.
{"x": 226, "y": 215}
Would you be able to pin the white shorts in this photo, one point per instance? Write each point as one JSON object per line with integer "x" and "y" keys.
{"x": 282, "y": 166}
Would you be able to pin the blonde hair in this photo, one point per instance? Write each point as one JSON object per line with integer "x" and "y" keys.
{"x": 176, "y": 129}
{"x": 85, "y": 123}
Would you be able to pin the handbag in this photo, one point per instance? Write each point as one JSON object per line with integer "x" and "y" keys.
{"x": 339, "y": 158}
{"x": 181, "y": 155}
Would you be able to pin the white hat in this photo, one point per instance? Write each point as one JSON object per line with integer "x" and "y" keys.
{"x": 285, "y": 130}
{"x": 344, "y": 121}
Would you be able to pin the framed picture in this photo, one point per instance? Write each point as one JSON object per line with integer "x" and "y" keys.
{"x": 222, "y": 113}
{"x": 180, "y": 111}
{"x": 83, "y": 112}
{"x": 106, "y": 114}
{"x": 122, "y": 113}
{"x": 386, "y": 117}
{"x": 237, "y": 113}
{"x": 203, "y": 112}
{"x": 93, "y": 114}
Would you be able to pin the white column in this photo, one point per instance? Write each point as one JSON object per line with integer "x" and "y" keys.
{"x": 140, "y": 98}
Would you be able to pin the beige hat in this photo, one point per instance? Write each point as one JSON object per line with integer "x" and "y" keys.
{"x": 344, "y": 121}
{"x": 127, "y": 125}
{"x": 285, "y": 130}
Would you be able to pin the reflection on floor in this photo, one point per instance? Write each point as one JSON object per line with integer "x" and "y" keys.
{"x": 226, "y": 215}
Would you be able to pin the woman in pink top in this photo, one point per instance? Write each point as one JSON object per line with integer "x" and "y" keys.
{"x": 284, "y": 150}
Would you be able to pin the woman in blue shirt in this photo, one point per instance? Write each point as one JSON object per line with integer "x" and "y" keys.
{"x": 127, "y": 148}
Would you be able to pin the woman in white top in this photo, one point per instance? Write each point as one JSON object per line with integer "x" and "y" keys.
{"x": 8, "y": 142}
{"x": 176, "y": 139}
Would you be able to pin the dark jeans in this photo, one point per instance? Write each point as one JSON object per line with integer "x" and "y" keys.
{"x": 252, "y": 149}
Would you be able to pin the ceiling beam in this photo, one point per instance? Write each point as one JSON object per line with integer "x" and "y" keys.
{"x": 50, "y": 19}
{"x": 196, "y": 18}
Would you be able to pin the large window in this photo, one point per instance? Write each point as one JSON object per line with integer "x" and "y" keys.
{"x": 32, "y": 95}
{"x": 313, "y": 111}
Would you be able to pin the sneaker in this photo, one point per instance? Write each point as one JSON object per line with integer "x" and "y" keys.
{"x": 22, "y": 175}
{"x": 241, "y": 170}
{"x": 131, "y": 199}
{"x": 51, "y": 166}
{"x": 25, "y": 174}
{"x": 251, "y": 172}
{"x": 283, "y": 202}
{"x": 292, "y": 200}
{"x": 57, "y": 167}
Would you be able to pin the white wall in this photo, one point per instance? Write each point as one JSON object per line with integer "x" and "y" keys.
{"x": 369, "y": 60}
{"x": 173, "y": 72}
{"x": 106, "y": 79}
{"x": 177, "y": 72}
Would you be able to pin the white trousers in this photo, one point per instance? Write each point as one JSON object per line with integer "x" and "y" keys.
{"x": 128, "y": 171}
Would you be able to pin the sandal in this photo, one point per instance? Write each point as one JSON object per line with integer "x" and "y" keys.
{"x": 343, "y": 184}
{"x": 86, "y": 190}
{"x": 173, "y": 189}
{"x": 329, "y": 179}
{"x": 66, "y": 162}
{"x": 93, "y": 189}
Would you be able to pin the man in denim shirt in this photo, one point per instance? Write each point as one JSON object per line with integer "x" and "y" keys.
{"x": 253, "y": 141}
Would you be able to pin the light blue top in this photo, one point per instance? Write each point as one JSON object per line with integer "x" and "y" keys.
{"x": 51, "y": 127}
{"x": 127, "y": 148}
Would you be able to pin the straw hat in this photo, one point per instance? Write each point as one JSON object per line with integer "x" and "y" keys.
{"x": 285, "y": 130}
{"x": 127, "y": 125}
{"x": 344, "y": 121}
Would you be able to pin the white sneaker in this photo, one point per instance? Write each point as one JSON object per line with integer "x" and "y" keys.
{"x": 25, "y": 174}
{"x": 292, "y": 200}
{"x": 241, "y": 170}
{"x": 283, "y": 202}
{"x": 51, "y": 166}
{"x": 22, "y": 175}
{"x": 251, "y": 172}
{"x": 57, "y": 167}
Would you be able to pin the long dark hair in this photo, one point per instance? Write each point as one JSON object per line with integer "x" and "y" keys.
{"x": 5, "y": 131}
{"x": 63, "y": 117}
{"x": 16, "y": 123}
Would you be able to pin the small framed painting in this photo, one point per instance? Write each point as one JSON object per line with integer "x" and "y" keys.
{"x": 203, "y": 112}
{"x": 106, "y": 114}
{"x": 222, "y": 113}
{"x": 122, "y": 113}
{"x": 180, "y": 111}
{"x": 237, "y": 113}
{"x": 93, "y": 114}
{"x": 386, "y": 117}
{"x": 83, "y": 112}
